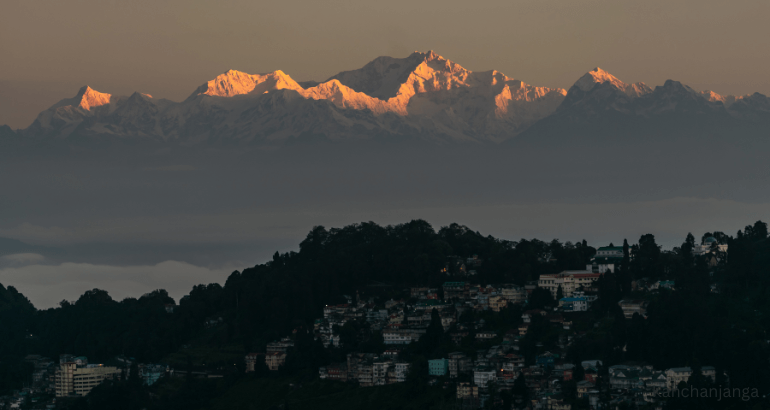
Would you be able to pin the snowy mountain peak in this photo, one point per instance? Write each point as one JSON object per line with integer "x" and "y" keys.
{"x": 234, "y": 82}
{"x": 714, "y": 97}
{"x": 88, "y": 98}
{"x": 727, "y": 100}
{"x": 598, "y": 76}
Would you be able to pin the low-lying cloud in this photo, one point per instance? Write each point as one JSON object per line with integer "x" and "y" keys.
{"x": 20, "y": 259}
{"x": 114, "y": 254}
{"x": 669, "y": 220}
{"x": 170, "y": 168}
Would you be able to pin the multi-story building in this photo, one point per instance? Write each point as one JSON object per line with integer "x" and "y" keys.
{"x": 602, "y": 265}
{"x": 151, "y": 373}
{"x": 353, "y": 360}
{"x": 457, "y": 290}
{"x": 631, "y": 306}
{"x": 513, "y": 293}
{"x": 401, "y": 336}
{"x": 607, "y": 258}
{"x": 417, "y": 319}
{"x": 365, "y": 374}
{"x": 427, "y": 305}
{"x": 458, "y": 363}
{"x": 418, "y": 293}
{"x": 275, "y": 360}
{"x": 676, "y": 375}
{"x": 402, "y": 369}
{"x": 375, "y": 315}
{"x": 275, "y": 355}
{"x": 467, "y": 390}
{"x": 612, "y": 252}
{"x": 485, "y": 335}
{"x": 589, "y": 297}
{"x": 337, "y": 371}
{"x": 438, "y": 367}
{"x": 332, "y": 310}
{"x": 281, "y": 346}
{"x": 569, "y": 281}
{"x": 75, "y": 377}
{"x": 573, "y": 304}
{"x": 481, "y": 377}
{"x": 546, "y": 360}
{"x": 380, "y": 371}
{"x": 655, "y": 381}
{"x": 251, "y": 361}
{"x": 517, "y": 361}
{"x": 497, "y": 302}
{"x": 482, "y": 301}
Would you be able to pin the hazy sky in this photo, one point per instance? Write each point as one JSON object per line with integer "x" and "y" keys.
{"x": 48, "y": 49}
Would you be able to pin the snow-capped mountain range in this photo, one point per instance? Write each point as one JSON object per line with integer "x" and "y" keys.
{"x": 423, "y": 95}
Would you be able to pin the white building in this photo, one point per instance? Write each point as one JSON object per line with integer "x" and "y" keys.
{"x": 380, "y": 372}
{"x": 75, "y": 377}
{"x": 607, "y": 258}
{"x": 707, "y": 246}
{"x": 569, "y": 281}
{"x": 402, "y": 336}
{"x": 513, "y": 293}
{"x": 482, "y": 377}
{"x": 676, "y": 375}
{"x": 402, "y": 369}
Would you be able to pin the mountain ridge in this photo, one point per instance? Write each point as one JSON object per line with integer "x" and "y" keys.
{"x": 423, "y": 95}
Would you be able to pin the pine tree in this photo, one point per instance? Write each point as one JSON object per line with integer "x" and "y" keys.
{"x": 433, "y": 335}
{"x": 520, "y": 391}
{"x": 579, "y": 373}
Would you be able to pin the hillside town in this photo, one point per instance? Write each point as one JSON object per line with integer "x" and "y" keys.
{"x": 496, "y": 343}
{"x": 495, "y": 362}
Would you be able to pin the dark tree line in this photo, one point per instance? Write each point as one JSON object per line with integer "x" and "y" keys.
{"x": 268, "y": 301}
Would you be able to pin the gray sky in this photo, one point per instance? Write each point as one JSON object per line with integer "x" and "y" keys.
{"x": 48, "y": 49}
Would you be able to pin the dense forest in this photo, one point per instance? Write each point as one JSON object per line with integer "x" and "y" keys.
{"x": 718, "y": 315}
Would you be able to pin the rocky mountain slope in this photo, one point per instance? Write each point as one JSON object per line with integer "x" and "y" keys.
{"x": 422, "y": 96}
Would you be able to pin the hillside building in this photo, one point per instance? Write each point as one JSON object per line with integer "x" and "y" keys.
{"x": 75, "y": 377}
{"x": 570, "y": 281}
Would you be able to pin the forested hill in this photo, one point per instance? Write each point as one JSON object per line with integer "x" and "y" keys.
{"x": 264, "y": 302}
{"x": 214, "y": 326}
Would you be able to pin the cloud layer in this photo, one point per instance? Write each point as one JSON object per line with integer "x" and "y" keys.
{"x": 46, "y": 285}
